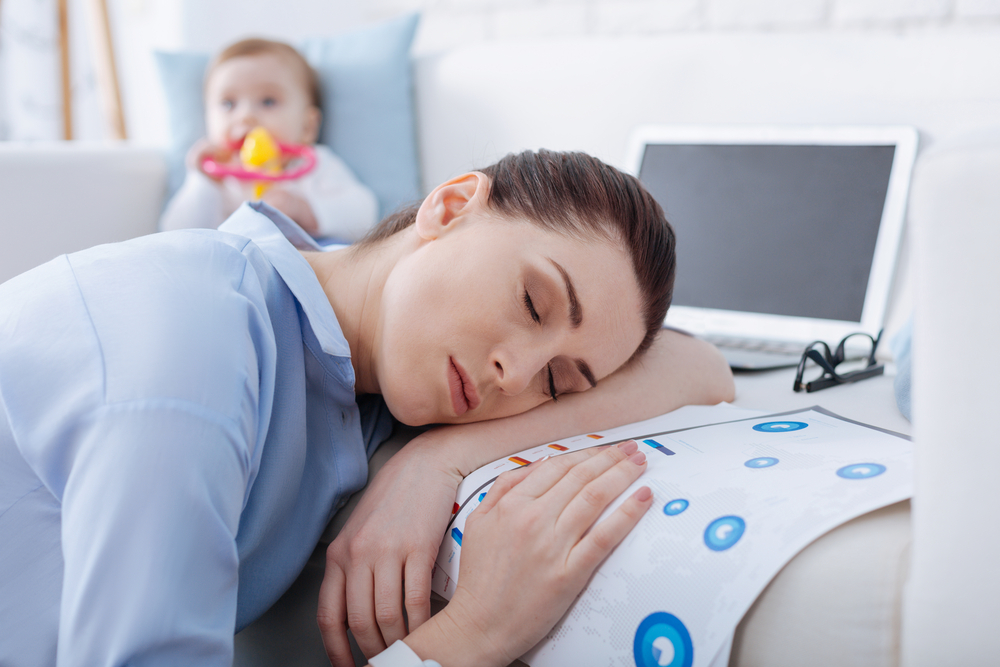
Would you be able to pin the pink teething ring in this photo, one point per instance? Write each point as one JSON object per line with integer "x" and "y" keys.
{"x": 308, "y": 155}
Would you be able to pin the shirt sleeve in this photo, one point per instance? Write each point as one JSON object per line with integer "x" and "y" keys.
{"x": 345, "y": 209}
{"x": 198, "y": 204}
{"x": 150, "y": 513}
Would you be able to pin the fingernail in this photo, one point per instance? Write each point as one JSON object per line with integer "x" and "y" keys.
{"x": 643, "y": 494}
{"x": 638, "y": 458}
{"x": 544, "y": 458}
{"x": 628, "y": 446}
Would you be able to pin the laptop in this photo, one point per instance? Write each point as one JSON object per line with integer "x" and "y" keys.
{"x": 785, "y": 235}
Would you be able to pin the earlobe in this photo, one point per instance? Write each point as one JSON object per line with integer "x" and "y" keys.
{"x": 449, "y": 202}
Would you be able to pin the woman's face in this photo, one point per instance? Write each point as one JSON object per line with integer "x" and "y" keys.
{"x": 493, "y": 316}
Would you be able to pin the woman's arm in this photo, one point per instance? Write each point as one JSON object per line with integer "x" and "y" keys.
{"x": 677, "y": 370}
{"x": 381, "y": 561}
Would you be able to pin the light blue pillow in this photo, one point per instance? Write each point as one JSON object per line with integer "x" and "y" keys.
{"x": 368, "y": 119}
{"x": 182, "y": 74}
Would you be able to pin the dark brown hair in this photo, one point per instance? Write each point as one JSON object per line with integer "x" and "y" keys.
{"x": 578, "y": 195}
{"x": 256, "y": 46}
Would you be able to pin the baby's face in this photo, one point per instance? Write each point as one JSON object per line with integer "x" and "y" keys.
{"x": 260, "y": 90}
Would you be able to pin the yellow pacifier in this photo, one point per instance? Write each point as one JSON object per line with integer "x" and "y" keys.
{"x": 261, "y": 154}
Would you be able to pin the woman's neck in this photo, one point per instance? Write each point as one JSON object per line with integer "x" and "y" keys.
{"x": 353, "y": 280}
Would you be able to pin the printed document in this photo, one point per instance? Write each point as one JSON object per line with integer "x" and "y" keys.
{"x": 737, "y": 495}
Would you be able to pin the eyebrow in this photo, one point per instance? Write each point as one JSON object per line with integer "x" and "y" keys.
{"x": 575, "y": 311}
{"x": 576, "y": 318}
{"x": 585, "y": 371}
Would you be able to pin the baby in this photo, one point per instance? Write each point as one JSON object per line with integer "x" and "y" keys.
{"x": 258, "y": 82}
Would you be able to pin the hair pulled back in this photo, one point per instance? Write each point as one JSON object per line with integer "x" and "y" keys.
{"x": 580, "y": 196}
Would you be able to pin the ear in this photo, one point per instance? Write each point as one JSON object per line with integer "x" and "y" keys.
{"x": 446, "y": 205}
{"x": 310, "y": 129}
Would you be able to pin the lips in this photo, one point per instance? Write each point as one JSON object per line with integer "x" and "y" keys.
{"x": 464, "y": 396}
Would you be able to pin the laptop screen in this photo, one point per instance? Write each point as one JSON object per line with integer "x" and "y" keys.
{"x": 769, "y": 228}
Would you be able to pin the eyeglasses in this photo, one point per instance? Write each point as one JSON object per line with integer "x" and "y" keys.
{"x": 819, "y": 352}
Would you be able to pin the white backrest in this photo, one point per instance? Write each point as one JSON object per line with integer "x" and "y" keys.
{"x": 477, "y": 103}
{"x": 62, "y": 197}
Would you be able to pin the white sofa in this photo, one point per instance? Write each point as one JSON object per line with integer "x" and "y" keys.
{"x": 61, "y": 197}
{"x": 841, "y": 601}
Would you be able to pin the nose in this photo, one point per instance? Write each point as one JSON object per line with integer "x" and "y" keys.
{"x": 245, "y": 120}
{"x": 516, "y": 367}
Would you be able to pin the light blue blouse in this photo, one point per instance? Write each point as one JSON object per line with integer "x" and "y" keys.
{"x": 177, "y": 425}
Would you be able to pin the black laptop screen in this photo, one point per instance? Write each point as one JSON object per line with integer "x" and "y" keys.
{"x": 778, "y": 229}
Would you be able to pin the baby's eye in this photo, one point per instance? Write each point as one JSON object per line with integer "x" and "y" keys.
{"x": 227, "y": 105}
{"x": 269, "y": 102}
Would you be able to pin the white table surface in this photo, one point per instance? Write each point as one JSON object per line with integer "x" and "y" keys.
{"x": 871, "y": 401}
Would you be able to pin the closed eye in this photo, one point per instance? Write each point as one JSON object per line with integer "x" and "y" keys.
{"x": 531, "y": 309}
{"x": 530, "y": 306}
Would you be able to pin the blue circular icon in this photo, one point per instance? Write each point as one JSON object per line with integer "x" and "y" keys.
{"x": 675, "y": 507}
{"x": 861, "y": 470}
{"x": 779, "y": 427}
{"x": 761, "y": 462}
{"x": 724, "y": 532}
{"x": 661, "y": 640}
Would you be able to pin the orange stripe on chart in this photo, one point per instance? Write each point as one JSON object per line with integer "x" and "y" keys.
{"x": 595, "y": 437}
{"x": 519, "y": 461}
{"x": 559, "y": 448}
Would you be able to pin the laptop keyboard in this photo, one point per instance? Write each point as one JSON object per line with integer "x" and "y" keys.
{"x": 781, "y": 347}
{"x": 749, "y": 354}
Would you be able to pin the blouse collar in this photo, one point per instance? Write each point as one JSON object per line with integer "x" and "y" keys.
{"x": 281, "y": 239}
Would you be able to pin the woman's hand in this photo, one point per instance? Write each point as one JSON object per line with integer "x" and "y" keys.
{"x": 528, "y": 550}
{"x": 385, "y": 553}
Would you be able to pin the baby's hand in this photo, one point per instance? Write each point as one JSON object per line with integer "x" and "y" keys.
{"x": 202, "y": 149}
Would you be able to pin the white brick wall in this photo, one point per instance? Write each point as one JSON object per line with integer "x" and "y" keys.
{"x": 869, "y": 13}
{"x": 540, "y": 20}
{"x": 615, "y": 17}
{"x": 977, "y": 9}
{"x": 448, "y": 23}
{"x": 442, "y": 30}
{"x": 766, "y": 13}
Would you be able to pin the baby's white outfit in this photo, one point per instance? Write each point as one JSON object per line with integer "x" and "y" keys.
{"x": 345, "y": 209}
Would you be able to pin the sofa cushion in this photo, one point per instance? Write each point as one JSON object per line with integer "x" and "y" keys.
{"x": 368, "y": 118}
{"x": 838, "y": 602}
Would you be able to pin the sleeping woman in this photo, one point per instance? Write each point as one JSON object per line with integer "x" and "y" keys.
{"x": 182, "y": 414}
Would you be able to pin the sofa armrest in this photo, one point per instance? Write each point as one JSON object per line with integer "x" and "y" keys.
{"x": 953, "y": 595}
{"x": 63, "y": 197}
